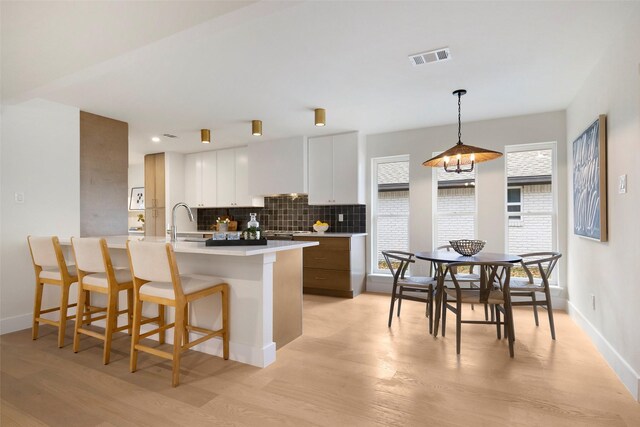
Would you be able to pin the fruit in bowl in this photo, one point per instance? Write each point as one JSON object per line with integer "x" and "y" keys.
{"x": 320, "y": 227}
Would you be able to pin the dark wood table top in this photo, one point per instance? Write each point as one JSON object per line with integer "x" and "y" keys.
{"x": 444, "y": 256}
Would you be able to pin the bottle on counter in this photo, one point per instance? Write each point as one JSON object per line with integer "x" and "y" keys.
{"x": 253, "y": 228}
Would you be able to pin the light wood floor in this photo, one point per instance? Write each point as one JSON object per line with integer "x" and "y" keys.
{"x": 348, "y": 369}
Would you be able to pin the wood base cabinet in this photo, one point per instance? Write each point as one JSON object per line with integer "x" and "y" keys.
{"x": 336, "y": 267}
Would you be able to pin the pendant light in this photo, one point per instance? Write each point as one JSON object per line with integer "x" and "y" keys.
{"x": 205, "y": 136}
{"x": 321, "y": 117}
{"x": 256, "y": 127}
{"x": 461, "y": 157}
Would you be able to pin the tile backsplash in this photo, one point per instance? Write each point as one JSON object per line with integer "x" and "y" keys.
{"x": 291, "y": 213}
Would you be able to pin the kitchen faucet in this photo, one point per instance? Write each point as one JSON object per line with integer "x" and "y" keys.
{"x": 174, "y": 227}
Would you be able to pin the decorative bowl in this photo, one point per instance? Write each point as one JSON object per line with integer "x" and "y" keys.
{"x": 320, "y": 228}
{"x": 467, "y": 247}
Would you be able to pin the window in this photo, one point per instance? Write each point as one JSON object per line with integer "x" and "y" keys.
{"x": 390, "y": 208}
{"x": 514, "y": 203}
{"x": 531, "y": 192}
{"x": 454, "y": 206}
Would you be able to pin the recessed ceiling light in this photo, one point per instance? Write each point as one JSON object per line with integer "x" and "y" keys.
{"x": 155, "y": 139}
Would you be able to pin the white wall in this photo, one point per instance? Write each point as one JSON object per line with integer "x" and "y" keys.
{"x": 490, "y": 179}
{"x": 40, "y": 158}
{"x": 610, "y": 270}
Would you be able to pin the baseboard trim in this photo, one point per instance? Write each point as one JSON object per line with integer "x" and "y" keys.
{"x": 16, "y": 323}
{"x": 623, "y": 370}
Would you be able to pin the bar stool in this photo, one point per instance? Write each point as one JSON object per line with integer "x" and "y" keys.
{"x": 96, "y": 274}
{"x": 156, "y": 279}
{"x": 51, "y": 269}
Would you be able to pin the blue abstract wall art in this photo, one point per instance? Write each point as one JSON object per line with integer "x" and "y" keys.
{"x": 590, "y": 182}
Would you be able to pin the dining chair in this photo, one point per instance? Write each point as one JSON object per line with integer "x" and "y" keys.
{"x": 97, "y": 274}
{"x": 51, "y": 269}
{"x": 398, "y": 263}
{"x": 156, "y": 279}
{"x": 500, "y": 299}
{"x": 544, "y": 263}
{"x": 471, "y": 278}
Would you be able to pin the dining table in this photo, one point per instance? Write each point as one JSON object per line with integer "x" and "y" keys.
{"x": 442, "y": 258}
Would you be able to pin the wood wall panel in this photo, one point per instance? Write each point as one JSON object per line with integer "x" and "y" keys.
{"x": 104, "y": 162}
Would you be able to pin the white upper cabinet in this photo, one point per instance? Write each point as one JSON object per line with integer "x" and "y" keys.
{"x": 200, "y": 179}
{"x": 336, "y": 170}
{"x": 210, "y": 184}
{"x": 218, "y": 179}
{"x": 278, "y": 167}
{"x": 321, "y": 170}
{"x": 226, "y": 177}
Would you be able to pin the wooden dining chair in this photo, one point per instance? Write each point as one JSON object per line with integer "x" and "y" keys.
{"x": 544, "y": 263}
{"x": 471, "y": 278}
{"x": 97, "y": 274}
{"x": 51, "y": 269}
{"x": 398, "y": 263}
{"x": 500, "y": 299}
{"x": 156, "y": 279}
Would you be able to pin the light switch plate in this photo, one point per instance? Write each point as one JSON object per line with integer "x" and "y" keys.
{"x": 18, "y": 196}
{"x": 622, "y": 184}
{"x": 340, "y": 217}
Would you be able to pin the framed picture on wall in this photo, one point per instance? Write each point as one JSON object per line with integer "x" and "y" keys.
{"x": 136, "y": 202}
{"x": 590, "y": 181}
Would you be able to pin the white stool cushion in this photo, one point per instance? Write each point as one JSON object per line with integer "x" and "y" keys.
{"x": 191, "y": 283}
{"x": 53, "y": 273}
{"x": 100, "y": 279}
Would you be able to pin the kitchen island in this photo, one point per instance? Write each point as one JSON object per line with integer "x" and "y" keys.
{"x": 265, "y": 306}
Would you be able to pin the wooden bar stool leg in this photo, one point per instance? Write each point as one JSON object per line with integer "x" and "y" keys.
{"x": 37, "y": 306}
{"x": 185, "y": 334}
{"x": 80, "y": 317}
{"x": 137, "y": 316}
{"x": 177, "y": 343}
{"x": 64, "y": 303}
{"x": 225, "y": 322}
{"x": 161, "y": 322}
{"x": 130, "y": 310}
{"x": 88, "y": 304}
{"x": 112, "y": 316}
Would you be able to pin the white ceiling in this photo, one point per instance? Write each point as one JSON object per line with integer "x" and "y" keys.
{"x": 220, "y": 65}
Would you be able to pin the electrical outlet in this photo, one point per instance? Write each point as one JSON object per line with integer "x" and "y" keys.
{"x": 622, "y": 184}
{"x": 593, "y": 301}
{"x": 340, "y": 217}
{"x": 18, "y": 197}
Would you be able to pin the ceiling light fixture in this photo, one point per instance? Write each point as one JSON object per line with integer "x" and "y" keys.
{"x": 256, "y": 127}
{"x": 155, "y": 139}
{"x": 205, "y": 136}
{"x": 461, "y": 154}
{"x": 321, "y": 116}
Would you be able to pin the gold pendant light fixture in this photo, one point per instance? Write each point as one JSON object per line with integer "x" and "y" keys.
{"x": 205, "y": 136}
{"x": 321, "y": 117}
{"x": 461, "y": 157}
{"x": 256, "y": 127}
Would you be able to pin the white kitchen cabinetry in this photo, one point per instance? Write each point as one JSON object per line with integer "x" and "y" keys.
{"x": 278, "y": 167}
{"x": 200, "y": 179}
{"x": 233, "y": 179}
{"x": 218, "y": 179}
{"x": 336, "y": 170}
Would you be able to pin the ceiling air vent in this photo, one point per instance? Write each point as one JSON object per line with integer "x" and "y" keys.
{"x": 168, "y": 135}
{"x": 431, "y": 56}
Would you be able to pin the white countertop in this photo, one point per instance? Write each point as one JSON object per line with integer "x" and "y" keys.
{"x": 329, "y": 234}
{"x": 120, "y": 242}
